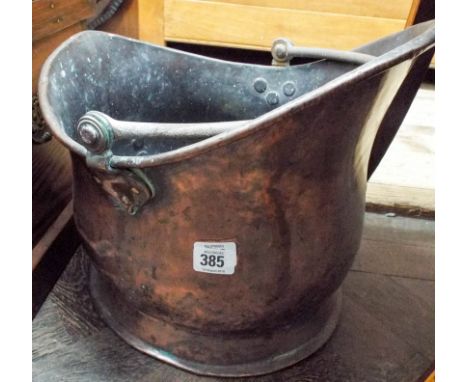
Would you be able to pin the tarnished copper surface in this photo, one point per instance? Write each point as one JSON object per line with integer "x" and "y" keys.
{"x": 288, "y": 189}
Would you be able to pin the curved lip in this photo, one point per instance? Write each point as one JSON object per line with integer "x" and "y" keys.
{"x": 408, "y": 50}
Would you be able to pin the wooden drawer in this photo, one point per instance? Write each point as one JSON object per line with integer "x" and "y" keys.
{"x": 255, "y": 24}
{"x": 49, "y": 17}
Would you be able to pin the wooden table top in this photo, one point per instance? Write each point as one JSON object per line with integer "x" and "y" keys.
{"x": 385, "y": 333}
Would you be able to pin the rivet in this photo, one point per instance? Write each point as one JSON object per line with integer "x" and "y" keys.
{"x": 94, "y": 133}
{"x": 52, "y": 5}
{"x": 260, "y": 85}
{"x": 136, "y": 191}
{"x": 272, "y": 98}
{"x": 59, "y": 20}
{"x": 137, "y": 144}
{"x": 281, "y": 50}
{"x": 89, "y": 134}
{"x": 125, "y": 199}
{"x": 289, "y": 89}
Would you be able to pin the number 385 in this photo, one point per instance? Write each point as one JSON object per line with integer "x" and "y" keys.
{"x": 212, "y": 260}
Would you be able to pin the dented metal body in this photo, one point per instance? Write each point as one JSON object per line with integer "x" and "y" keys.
{"x": 287, "y": 185}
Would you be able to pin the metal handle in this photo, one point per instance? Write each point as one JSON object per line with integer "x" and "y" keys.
{"x": 283, "y": 51}
{"x": 98, "y": 132}
{"x": 131, "y": 189}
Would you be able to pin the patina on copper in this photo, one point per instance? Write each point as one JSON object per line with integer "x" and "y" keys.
{"x": 287, "y": 187}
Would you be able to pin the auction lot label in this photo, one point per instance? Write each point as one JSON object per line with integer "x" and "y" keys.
{"x": 214, "y": 257}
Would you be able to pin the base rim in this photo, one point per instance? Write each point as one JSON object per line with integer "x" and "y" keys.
{"x": 252, "y": 368}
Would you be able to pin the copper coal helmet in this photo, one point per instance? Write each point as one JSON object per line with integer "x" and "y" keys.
{"x": 222, "y": 203}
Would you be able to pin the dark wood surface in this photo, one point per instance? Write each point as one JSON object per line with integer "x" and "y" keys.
{"x": 386, "y": 330}
{"x": 53, "y": 260}
{"x": 51, "y": 185}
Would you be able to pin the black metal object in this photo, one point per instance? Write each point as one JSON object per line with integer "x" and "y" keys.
{"x": 40, "y": 133}
{"x": 280, "y": 188}
{"x": 108, "y": 9}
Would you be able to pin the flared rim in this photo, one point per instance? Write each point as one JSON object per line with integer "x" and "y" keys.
{"x": 416, "y": 46}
